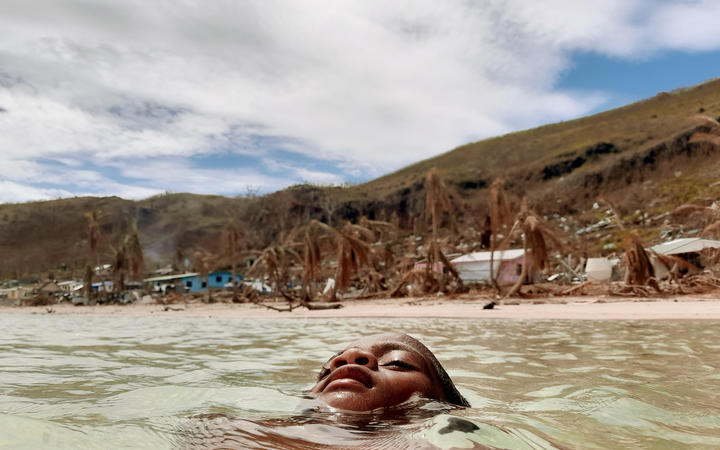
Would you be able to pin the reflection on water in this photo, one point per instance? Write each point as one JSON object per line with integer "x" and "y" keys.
{"x": 94, "y": 382}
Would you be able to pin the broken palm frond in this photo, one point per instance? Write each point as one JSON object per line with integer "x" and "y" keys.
{"x": 352, "y": 243}
{"x": 630, "y": 290}
{"x": 674, "y": 264}
{"x": 438, "y": 275}
{"x": 378, "y": 225}
{"x": 639, "y": 270}
{"x": 373, "y": 281}
{"x": 702, "y": 282}
{"x": 417, "y": 279}
{"x": 352, "y": 254}
{"x": 580, "y": 288}
{"x": 312, "y": 260}
{"x": 499, "y": 217}
{"x": 436, "y": 260}
{"x": 274, "y": 263}
{"x": 536, "y": 233}
{"x": 437, "y": 200}
{"x": 499, "y": 206}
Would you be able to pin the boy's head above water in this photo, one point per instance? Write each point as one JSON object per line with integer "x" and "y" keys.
{"x": 383, "y": 370}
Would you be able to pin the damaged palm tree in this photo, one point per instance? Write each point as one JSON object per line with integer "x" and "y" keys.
{"x": 231, "y": 237}
{"x": 93, "y": 242}
{"x": 500, "y": 217}
{"x": 535, "y": 236}
{"x": 128, "y": 259}
{"x": 312, "y": 261}
{"x": 275, "y": 264}
{"x": 203, "y": 263}
{"x": 639, "y": 270}
{"x": 433, "y": 279}
{"x": 134, "y": 252}
{"x": 119, "y": 268}
{"x": 437, "y": 202}
{"x": 352, "y": 244}
{"x": 381, "y": 260}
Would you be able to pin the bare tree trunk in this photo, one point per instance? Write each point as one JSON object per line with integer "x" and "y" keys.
{"x": 235, "y": 297}
{"x": 88, "y": 281}
{"x": 492, "y": 261}
{"x": 523, "y": 274}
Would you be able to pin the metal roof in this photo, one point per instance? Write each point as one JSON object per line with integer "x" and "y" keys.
{"x": 171, "y": 277}
{"x": 685, "y": 245}
{"x": 485, "y": 256}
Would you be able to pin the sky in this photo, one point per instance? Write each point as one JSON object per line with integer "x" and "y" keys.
{"x": 135, "y": 98}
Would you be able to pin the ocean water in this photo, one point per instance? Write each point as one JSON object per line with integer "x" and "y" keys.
{"x": 114, "y": 382}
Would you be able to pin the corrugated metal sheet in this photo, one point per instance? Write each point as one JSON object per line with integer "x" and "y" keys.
{"x": 685, "y": 245}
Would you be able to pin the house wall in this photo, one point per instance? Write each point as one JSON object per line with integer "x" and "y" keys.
{"x": 218, "y": 280}
{"x": 479, "y": 271}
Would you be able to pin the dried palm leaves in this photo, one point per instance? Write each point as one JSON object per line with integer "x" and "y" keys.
{"x": 535, "y": 234}
{"x": 639, "y": 270}
{"x": 500, "y": 216}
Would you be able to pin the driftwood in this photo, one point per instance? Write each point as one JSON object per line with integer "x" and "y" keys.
{"x": 578, "y": 288}
{"x": 294, "y": 304}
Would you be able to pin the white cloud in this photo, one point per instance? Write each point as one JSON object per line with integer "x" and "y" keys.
{"x": 11, "y": 192}
{"x": 370, "y": 85}
{"x": 180, "y": 176}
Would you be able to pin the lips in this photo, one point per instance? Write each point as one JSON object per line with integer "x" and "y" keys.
{"x": 350, "y": 372}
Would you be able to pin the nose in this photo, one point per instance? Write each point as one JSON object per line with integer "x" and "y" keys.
{"x": 355, "y": 356}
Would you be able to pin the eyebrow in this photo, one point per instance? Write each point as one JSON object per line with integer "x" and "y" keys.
{"x": 389, "y": 346}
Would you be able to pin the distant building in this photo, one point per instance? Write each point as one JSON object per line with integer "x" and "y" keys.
{"x": 685, "y": 246}
{"x": 689, "y": 249}
{"x": 475, "y": 267}
{"x": 191, "y": 281}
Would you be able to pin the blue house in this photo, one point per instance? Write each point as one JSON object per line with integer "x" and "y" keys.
{"x": 191, "y": 281}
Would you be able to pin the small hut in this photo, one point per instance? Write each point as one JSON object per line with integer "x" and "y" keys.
{"x": 689, "y": 249}
{"x": 475, "y": 267}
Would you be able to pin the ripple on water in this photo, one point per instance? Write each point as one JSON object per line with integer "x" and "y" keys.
{"x": 127, "y": 383}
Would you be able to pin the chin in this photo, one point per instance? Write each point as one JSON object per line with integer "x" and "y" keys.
{"x": 349, "y": 401}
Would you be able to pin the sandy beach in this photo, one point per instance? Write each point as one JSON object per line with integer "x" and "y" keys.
{"x": 683, "y": 307}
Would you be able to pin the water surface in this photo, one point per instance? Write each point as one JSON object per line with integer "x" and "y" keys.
{"x": 114, "y": 382}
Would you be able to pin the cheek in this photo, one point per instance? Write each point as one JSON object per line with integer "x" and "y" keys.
{"x": 402, "y": 385}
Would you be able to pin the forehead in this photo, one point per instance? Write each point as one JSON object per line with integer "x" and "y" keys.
{"x": 380, "y": 344}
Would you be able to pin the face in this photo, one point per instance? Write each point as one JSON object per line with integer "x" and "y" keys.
{"x": 375, "y": 372}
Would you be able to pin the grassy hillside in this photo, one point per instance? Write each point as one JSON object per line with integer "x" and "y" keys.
{"x": 629, "y": 129}
{"x": 645, "y": 158}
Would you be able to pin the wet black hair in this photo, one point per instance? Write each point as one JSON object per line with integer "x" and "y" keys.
{"x": 452, "y": 395}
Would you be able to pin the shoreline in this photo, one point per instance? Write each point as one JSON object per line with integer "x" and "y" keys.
{"x": 680, "y": 307}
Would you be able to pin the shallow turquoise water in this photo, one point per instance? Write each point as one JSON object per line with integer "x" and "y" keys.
{"x": 109, "y": 382}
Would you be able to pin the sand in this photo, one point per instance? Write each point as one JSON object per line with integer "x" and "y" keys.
{"x": 689, "y": 307}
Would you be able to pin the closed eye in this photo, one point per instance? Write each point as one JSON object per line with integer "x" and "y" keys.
{"x": 400, "y": 364}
